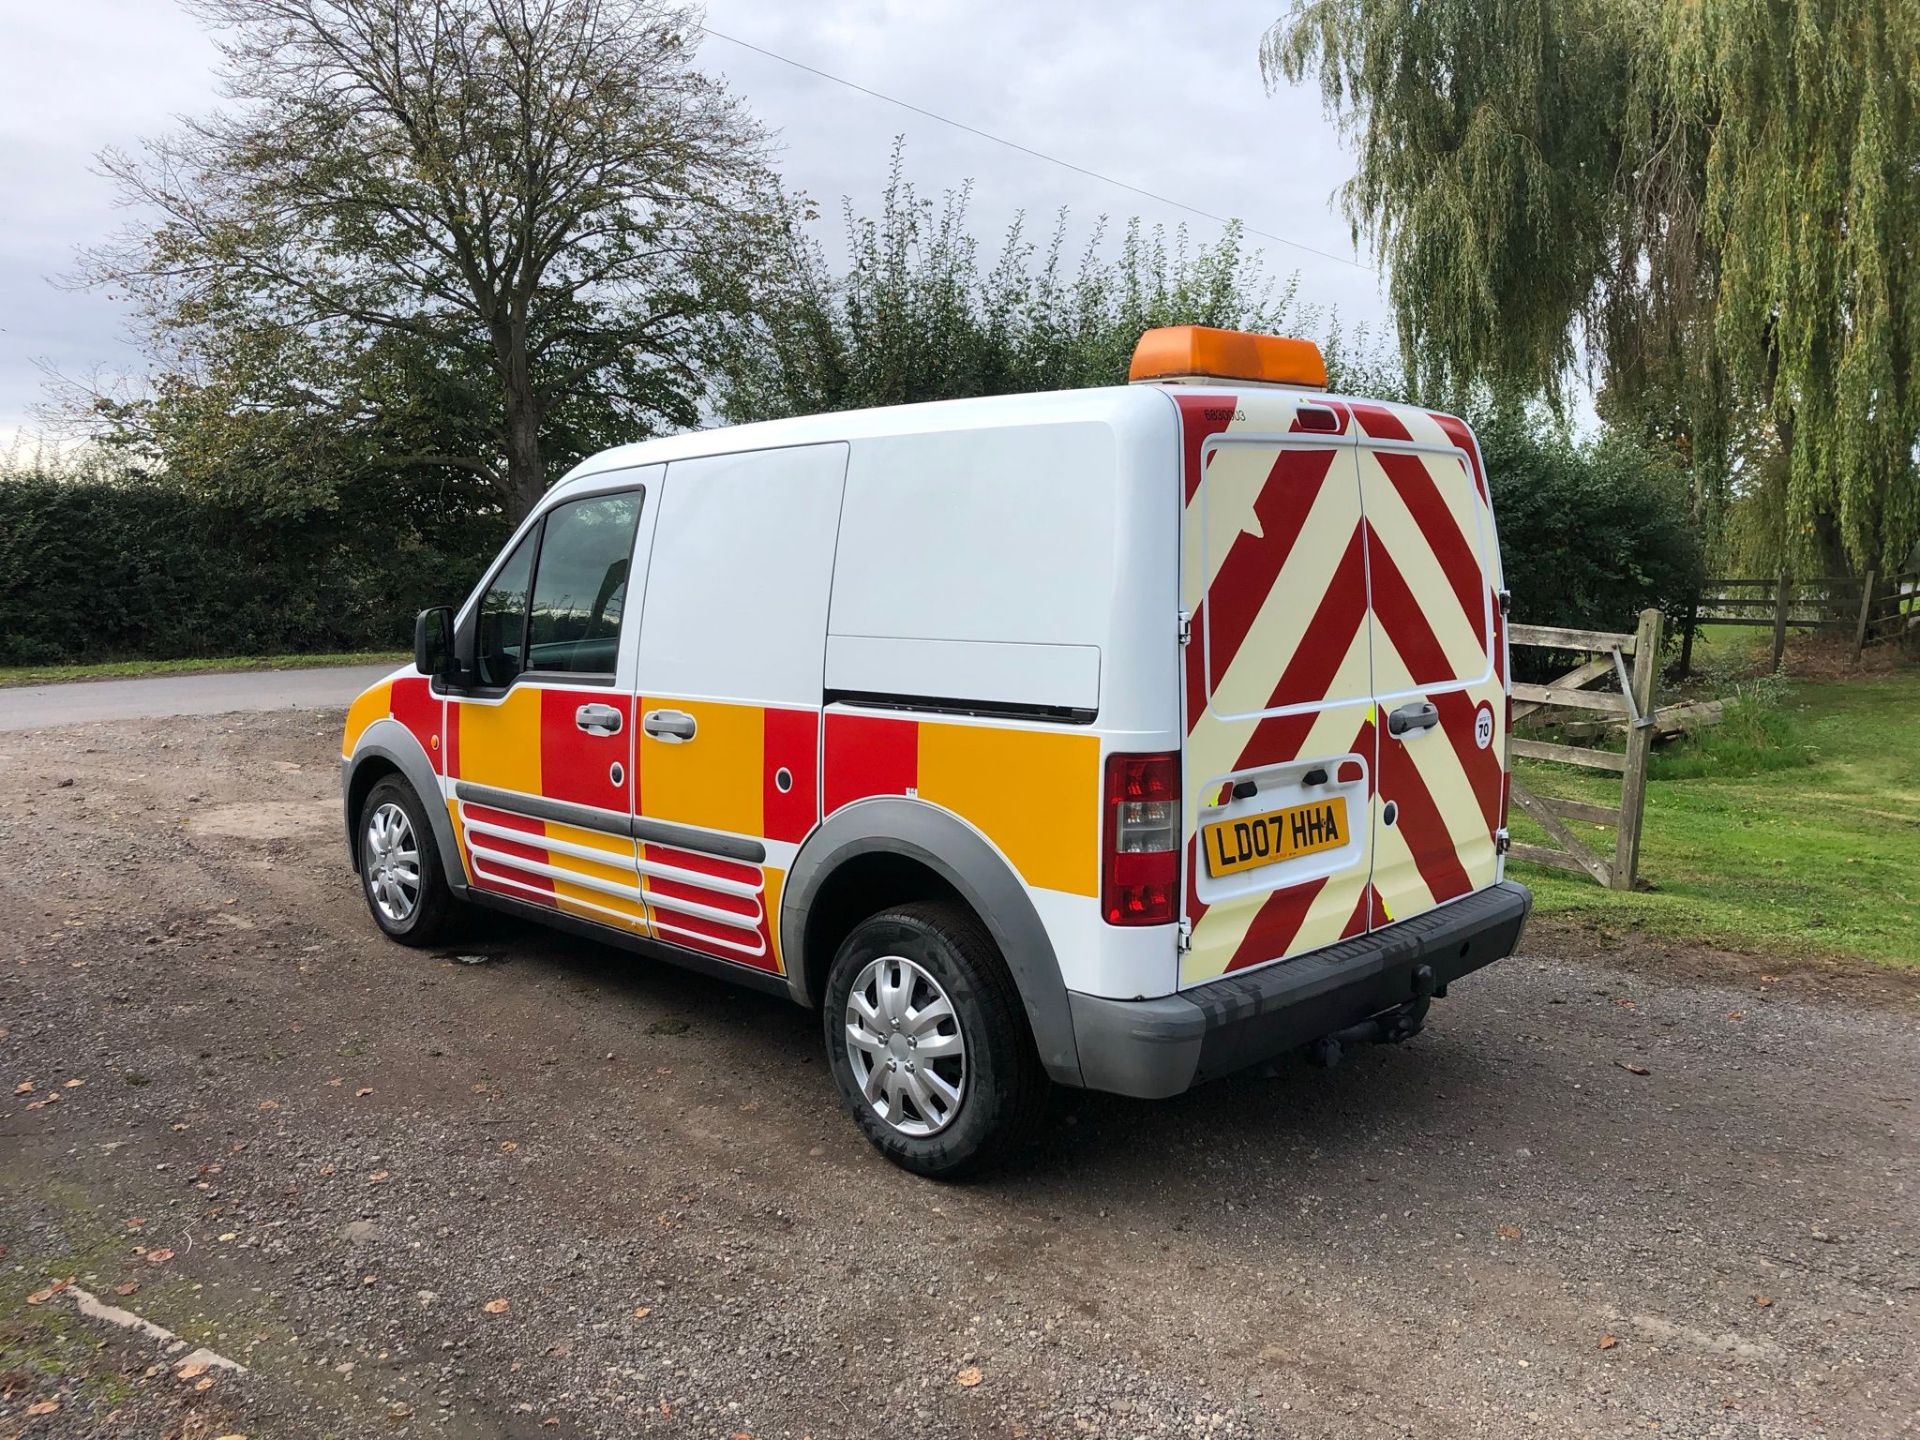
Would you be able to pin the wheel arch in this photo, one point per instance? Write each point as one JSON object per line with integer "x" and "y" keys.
{"x": 895, "y": 850}
{"x": 385, "y": 748}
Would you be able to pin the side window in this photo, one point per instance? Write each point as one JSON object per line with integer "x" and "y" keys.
{"x": 580, "y": 588}
{"x": 501, "y": 639}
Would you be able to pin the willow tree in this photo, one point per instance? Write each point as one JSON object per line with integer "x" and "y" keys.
{"x": 1714, "y": 204}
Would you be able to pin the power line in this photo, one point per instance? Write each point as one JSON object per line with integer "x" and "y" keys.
{"x": 1029, "y": 150}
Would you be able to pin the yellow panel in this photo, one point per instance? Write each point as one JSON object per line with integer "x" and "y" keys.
{"x": 714, "y": 780}
{"x": 500, "y": 744}
{"x": 1035, "y": 794}
{"x": 770, "y": 882}
{"x": 373, "y": 703}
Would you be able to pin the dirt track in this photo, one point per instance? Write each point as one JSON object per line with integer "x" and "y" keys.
{"x": 1496, "y": 1230}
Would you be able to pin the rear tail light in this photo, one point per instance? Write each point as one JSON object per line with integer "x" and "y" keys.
{"x": 1140, "y": 859}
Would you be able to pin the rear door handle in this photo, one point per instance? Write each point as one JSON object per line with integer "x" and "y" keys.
{"x": 598, "y": 719}
{"x": 676, "y": 727}
{"x": 1409, "y": 719}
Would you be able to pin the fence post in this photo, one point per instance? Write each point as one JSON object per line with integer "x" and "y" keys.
{"x": 1866, "y": 612}
{"x": 1782, "y": 598}
{"x": 1686, "y": 636}
{"x": 1633, "y": 788}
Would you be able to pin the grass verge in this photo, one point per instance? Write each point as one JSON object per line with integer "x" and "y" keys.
{"x": 135, "y": 669}
{"x": 1818, "y": 855}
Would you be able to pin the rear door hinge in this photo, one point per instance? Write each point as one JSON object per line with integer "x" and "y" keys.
{"x": 1506, "y": 601}
{"x": 1186, "y": 936}
{"x": 1186, "y": 628}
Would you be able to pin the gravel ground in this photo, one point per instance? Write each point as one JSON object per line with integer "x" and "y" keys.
{"x": 562, "y": 1192}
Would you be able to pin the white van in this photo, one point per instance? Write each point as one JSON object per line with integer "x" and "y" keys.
{"x": 1119, "y": 737}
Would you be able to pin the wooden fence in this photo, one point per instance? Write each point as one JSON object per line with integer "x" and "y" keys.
{"x": 1871, "y": 610}
{"x": 1633, "y": 702}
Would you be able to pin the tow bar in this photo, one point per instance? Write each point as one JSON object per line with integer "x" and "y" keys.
{"x": 1389, "y": 1027}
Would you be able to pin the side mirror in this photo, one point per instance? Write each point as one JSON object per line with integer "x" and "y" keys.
{"x": 433, "y": 643}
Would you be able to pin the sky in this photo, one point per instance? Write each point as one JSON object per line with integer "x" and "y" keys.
{"x": 1166, "y": 97}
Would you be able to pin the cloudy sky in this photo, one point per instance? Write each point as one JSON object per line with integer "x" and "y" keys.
{"x": 1167, "y": 97}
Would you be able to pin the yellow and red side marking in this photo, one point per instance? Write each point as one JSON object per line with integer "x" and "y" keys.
{"x": 1034, "y": 793}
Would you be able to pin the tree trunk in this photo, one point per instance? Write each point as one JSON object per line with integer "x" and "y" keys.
{"x": 526, "y": 470}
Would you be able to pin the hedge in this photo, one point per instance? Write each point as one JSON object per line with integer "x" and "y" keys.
{"x": 105, "y": 570}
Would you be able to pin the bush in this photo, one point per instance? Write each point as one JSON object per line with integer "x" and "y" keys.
{"x": 104, "y": 568}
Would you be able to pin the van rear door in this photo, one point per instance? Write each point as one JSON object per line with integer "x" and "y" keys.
{"x": 1280, "y": 747}
{"x": 1439, "y": 659}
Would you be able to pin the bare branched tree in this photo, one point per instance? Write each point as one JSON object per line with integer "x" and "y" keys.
{"x": 543, "y": 193}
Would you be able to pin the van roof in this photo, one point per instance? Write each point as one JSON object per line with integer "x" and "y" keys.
{"x": 1098, "y": 403}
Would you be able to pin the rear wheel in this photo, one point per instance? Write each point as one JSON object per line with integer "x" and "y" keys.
{"x": 929, "y": 1043}
{"x": 400, "y": 870}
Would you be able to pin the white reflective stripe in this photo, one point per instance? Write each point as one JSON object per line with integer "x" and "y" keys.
{"x": 555, "y": 872}
{"x": 705, "y": 912}
{"x": 719, "y": 883}
{"x": 613, "y": 859}
{"x": 553, "y": 899}
{"x": 757, "y": 948}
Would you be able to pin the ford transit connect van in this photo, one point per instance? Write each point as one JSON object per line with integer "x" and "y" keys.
{"x": 1119, "y": 738}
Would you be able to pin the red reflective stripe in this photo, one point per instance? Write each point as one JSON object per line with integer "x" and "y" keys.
{"x": 1254, "y": 562}
{"x": 1457, "y": 710}
{"x": 1456, "y": 430}
{"x": 869, "y": 755}
{"x": 506, "y": 819}
{"x": 576, "y": 767}
{"x": 1425, "y": 830}
{"x": 1401, "y": 616}
{"x": 701, "y": 864}
{"x": 1420, "y": 493}
{"x": 1379, "y": 422}
{"x": 1201, "y": 418}
{"x": 792, "y": 742}
{"x": 1279, "y": 920}
{"x": 744, "y": 905}
{"x": 1361, "y": 920}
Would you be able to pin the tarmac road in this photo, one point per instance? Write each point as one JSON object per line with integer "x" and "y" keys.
{"x": 563, "y": 1192}
{"x": 77, "y": 702}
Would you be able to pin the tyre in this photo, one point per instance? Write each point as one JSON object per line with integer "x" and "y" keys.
{"x": 929, "y": 1042}
{"x": 400, "y": 870}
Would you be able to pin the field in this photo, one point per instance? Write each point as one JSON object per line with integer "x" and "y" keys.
{"x": 1795, "y": 832}
{"x": 135, "y": 669}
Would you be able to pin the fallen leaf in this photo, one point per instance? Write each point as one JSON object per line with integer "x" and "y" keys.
{"x": 1507, "y": 1232}
{"x": 41, "y": 1104}
{"x": 269, "y": 1104}
{"x": 230, "y": 1437}
{"x": 968, "y": 1378}
{"x": 1633, "y": 1069}
{"x": 43, "y": 1407}
{"x": 495, "y": 1307}
{"x": 1763, "y": 1300}
{"x": 40, "y": 1297}
{"x": 378, "y": 1177}
{"x": 206, "y": 1384}
{"x": 230, "y": 1235}
{"x": 1627, "y": 1004}
{"x": 75, "y": 1084}
{"x": 509, "y": 1146}
{"x": 159, "y": 1257}
{"x": 1607, "y": 1342}
{"x": 640, "y": 1312}
{"x": 25, "y": 1087}
{"x": 127, "y": 1289}
{"x": 191, "y": 1370}
{"x": 1736, "y": 1014}
{"x": 134, "y": 1222}
{"x": 326, "y": 1169}
{"x": 363, "y": 1092}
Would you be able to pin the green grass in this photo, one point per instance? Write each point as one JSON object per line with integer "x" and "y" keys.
{"x": 1796, "y": 832}
{"x": 131, "y": 669}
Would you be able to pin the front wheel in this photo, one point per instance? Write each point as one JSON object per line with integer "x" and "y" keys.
{"x": 400, "y": 871}
{"x": 929, "y": 1042}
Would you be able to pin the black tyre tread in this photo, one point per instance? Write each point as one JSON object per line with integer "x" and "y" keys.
{"x": 1021, "y": 1085}
{"x": 438, "y": 913}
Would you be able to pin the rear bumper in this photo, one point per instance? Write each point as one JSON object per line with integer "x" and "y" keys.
{"x": 1156, "y": 1048}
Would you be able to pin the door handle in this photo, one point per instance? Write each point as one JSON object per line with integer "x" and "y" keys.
{"x": 598, "y": 719}
{"x": 676, "y": 727}
{"x": 1409, "y": 719}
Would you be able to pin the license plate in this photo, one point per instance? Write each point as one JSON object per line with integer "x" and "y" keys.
{"x": 1255, "y": 840}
